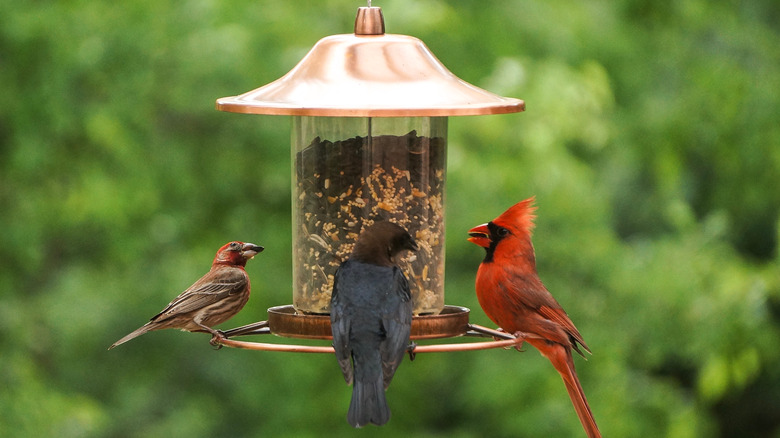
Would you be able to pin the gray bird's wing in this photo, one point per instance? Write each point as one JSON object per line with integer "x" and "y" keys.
{"x": 340, "y": 329}
{"x": 397, "y": 323}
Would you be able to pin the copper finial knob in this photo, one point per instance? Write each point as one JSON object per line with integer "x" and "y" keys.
{"x": 369, "y": 21}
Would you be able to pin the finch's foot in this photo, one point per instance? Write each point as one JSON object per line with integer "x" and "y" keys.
{"x": 217, "y": 336}
{"x": 216, "y": 339}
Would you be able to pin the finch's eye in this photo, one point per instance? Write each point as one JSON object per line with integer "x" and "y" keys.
{"x": 501, "y": 231}
{"x": 234, "y": 246}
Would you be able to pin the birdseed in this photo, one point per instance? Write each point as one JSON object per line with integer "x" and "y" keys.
{"x": 345, "y": 185}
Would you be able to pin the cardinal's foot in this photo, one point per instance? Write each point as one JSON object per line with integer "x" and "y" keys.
{"x": 520, "y": 338}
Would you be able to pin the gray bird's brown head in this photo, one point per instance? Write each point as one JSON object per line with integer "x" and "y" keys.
{"x": 380, "y": 242}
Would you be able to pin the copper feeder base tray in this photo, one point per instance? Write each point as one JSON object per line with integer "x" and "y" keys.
{"x": 284, "y": 321}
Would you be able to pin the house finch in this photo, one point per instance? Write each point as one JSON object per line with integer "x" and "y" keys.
{"x": 371, "y": 317}
{"x": 512, "y": 295}
{"x": 212, "y": 300}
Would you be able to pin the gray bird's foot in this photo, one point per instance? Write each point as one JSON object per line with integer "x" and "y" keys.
{"x": 410, "y": 349}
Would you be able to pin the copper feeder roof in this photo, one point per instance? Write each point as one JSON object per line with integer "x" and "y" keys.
{"x": 370, "y": 74}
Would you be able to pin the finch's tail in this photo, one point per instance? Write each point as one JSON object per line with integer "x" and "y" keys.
{"x": 368, "y": 404}
{"x": 563, "y": 362}
{"x": 138, "y": 332}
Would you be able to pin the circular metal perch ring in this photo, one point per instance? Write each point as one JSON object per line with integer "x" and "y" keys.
{"x": 289, "y": 348}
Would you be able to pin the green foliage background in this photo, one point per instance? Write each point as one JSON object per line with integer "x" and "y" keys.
{"x": 650, "y": 141}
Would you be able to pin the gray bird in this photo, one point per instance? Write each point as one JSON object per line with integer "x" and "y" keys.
{"x": 371, "y": 318}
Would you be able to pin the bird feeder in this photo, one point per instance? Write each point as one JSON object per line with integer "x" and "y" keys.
{"x": 369, "y": 142}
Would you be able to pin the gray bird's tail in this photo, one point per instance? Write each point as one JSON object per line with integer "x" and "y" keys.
{"x": 368, "y": 404}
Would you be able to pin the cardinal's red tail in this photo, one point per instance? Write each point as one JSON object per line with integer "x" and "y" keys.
{"x": 562, "y": 361}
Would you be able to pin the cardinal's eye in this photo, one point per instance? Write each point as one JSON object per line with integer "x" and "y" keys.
{"x": 501, "y": 231}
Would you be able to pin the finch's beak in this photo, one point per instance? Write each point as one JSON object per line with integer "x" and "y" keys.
{"x": 412, "y": 245}
{"x": 480, "y": 235}
{"x": 249, "y": 250}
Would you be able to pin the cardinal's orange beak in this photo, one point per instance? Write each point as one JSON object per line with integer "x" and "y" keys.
{"x": 480, "y": 235}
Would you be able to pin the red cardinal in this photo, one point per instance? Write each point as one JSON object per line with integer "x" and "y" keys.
{"x": 512, "y": 295}
{"x": 212, "y": 300}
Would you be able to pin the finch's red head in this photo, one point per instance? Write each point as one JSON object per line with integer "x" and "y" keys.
{"x": 518, "y": 220}
{"x": 236, "y": 253}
